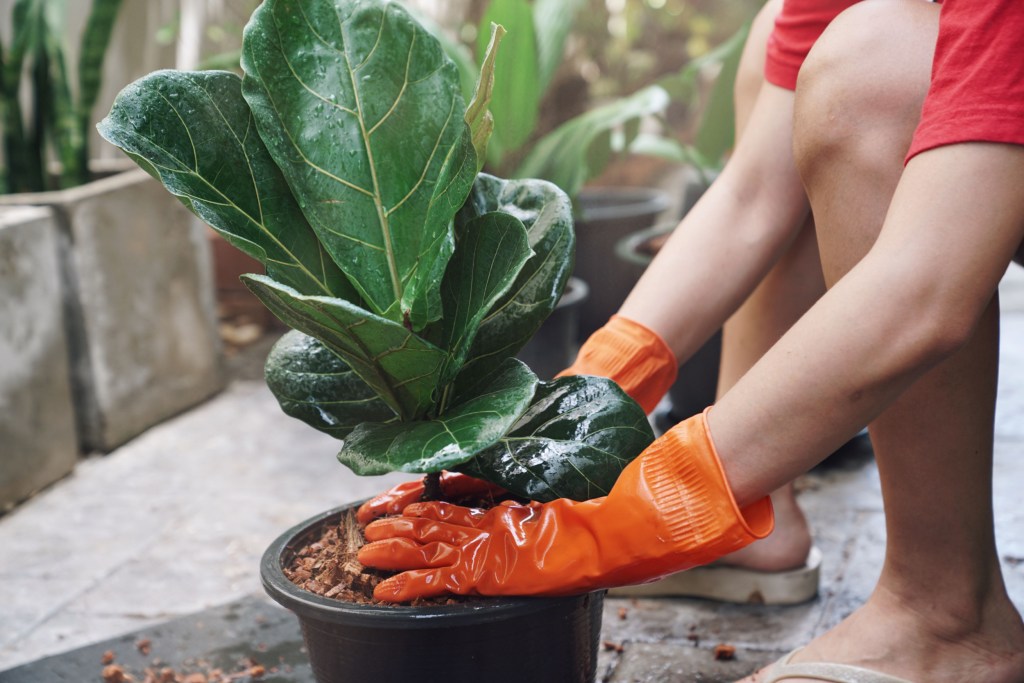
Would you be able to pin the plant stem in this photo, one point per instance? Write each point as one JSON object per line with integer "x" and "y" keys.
{"x": 432, "y": 487}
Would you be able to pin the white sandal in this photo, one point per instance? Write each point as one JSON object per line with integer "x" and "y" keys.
{"x": 724, "y": 583}
{"x": 782, "y": 670}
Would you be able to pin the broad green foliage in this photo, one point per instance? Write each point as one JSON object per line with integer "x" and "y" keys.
{"x": 363, "y": 113}
{"x": 346, "y": 162}
{"x": 195, "y": 133}
{"x": 316, "y": 386}
{"x": 473, "y": 423}
{"x": 571, "y": 443}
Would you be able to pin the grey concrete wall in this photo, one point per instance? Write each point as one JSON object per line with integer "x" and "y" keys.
{"x": 140, "y": 310}
{"x": 38, "y": 444}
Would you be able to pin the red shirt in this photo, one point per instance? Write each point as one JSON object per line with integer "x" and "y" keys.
{"x": 977, "y": 87}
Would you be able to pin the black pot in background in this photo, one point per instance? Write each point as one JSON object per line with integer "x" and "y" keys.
{"x": 697, "y": 382}
{"x": 497, "y": 640}
{"x": 606, "y": 215}
{"x": 553, "y": 348}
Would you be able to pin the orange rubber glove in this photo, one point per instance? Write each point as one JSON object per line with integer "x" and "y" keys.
{"x": 671, "y": 509}
{"x": 635, "y": 357}
{"x": 395, "y": 499}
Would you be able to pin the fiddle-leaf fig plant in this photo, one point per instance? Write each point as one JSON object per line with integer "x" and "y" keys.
{"x": 346, "y": 161}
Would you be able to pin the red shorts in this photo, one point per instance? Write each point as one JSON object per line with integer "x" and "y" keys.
{"x": 977, "y": 88}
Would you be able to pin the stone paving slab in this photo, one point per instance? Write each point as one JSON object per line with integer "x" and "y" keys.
{"x": 232, "y": 638}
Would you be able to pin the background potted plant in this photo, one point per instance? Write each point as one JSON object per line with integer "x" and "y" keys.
{"x": 139, "y": 352}
{"x": 348, "y": 164}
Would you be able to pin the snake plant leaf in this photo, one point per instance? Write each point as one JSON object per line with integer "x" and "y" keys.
{"x": 313, "y": 385}
{"x": 546, "y": 212}
{"x": 363, "y": 112}
{"x": 553, "y": 20}
{"x": 491, "y": 250}
{"x": 195, "y": 133}
{"x": 474, "y": 423}
{"x": 572, "y": 442}
{"x": 399, "y": 366}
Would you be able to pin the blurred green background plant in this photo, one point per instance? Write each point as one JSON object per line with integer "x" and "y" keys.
{"x": 57, "y": 114}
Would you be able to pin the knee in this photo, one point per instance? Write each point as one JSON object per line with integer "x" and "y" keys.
{"x": 859, "y": 94}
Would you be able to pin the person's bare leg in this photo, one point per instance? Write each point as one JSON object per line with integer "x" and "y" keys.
{"x": 786, "y": 292}
{"x": 789, "y": 289}
{"x": 940, "y": 611}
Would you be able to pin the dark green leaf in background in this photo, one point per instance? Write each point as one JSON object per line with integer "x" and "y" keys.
{"x": 401, "y": 367}
{"x": 363, "y": 113}
{"x": 575, "y": 439}
{"x": 475, "y": 422}
{"x": 546, "y": 213}
{"x": 315, "y": 386}
{"x": 195, "y": 133}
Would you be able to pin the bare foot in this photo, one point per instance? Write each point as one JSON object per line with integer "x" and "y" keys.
{"x": 919, "y": 643}
{"x": 786, "y": 548}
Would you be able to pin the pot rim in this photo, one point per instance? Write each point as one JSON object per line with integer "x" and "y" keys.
{"x": 312, "y": 606}
{"x": 624, "y": 202}
{"x": 576, "y": 291}
{"x": 626, "y": 248}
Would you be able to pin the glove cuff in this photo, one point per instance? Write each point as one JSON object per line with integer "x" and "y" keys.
{"x": 688, "y": 484}
{"x": 633, "y": 356}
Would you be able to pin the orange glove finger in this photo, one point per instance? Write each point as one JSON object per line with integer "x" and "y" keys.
{"x": 395, "y": 499}
{"x": 423, "y": 530}
{"x": 406, "y": 587}
{"x": 400, "y": 554}
{"x": 633, "y": 356}
{"x": 391, "y": 502}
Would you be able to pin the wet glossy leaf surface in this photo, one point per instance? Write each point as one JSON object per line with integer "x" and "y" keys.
{"x": 476, "y": 422}
{"x": 363, "y": 113}
{"x": 402, "y": 368}
{"x": 547, "y": 215}
{"x": 573, "y": 441}
{"x": 491, "y": 251}
{"x": 195, "y": 133}
{"x": 313, "y": 385}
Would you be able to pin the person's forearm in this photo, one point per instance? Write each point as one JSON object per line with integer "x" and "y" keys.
{"x": 955, "y": 221}
{"x": 731, "y": 237}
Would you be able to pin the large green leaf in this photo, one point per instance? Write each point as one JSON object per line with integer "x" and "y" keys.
{"x": 491, "y": 250}
{"x": 574, "y": 152}
{"x": 573, "y": 441}
{"x": 476, "y": 421}
{"x": 195, "y": 133}
{"x": 401, "y": 367}
{"x": 515, "y": 102}
{"x": 546, "y": 213}
{"x": 363, "y": 113}
{"x": 313, "y": 385}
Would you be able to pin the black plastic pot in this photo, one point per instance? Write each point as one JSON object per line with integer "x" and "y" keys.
{"x": 497, "y": 640}
{"x": 606, "y": 215}
{"x": 553, "y": 348}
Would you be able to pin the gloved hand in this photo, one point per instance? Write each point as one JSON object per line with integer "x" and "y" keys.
{"x": 635, "y": 357}
{"x": 395, "y": 499}
{"x": 671, "y": 509}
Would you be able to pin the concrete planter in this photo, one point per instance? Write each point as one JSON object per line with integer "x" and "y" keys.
{"x": 38, "y": 444}
{"x": 138, "y": 304}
